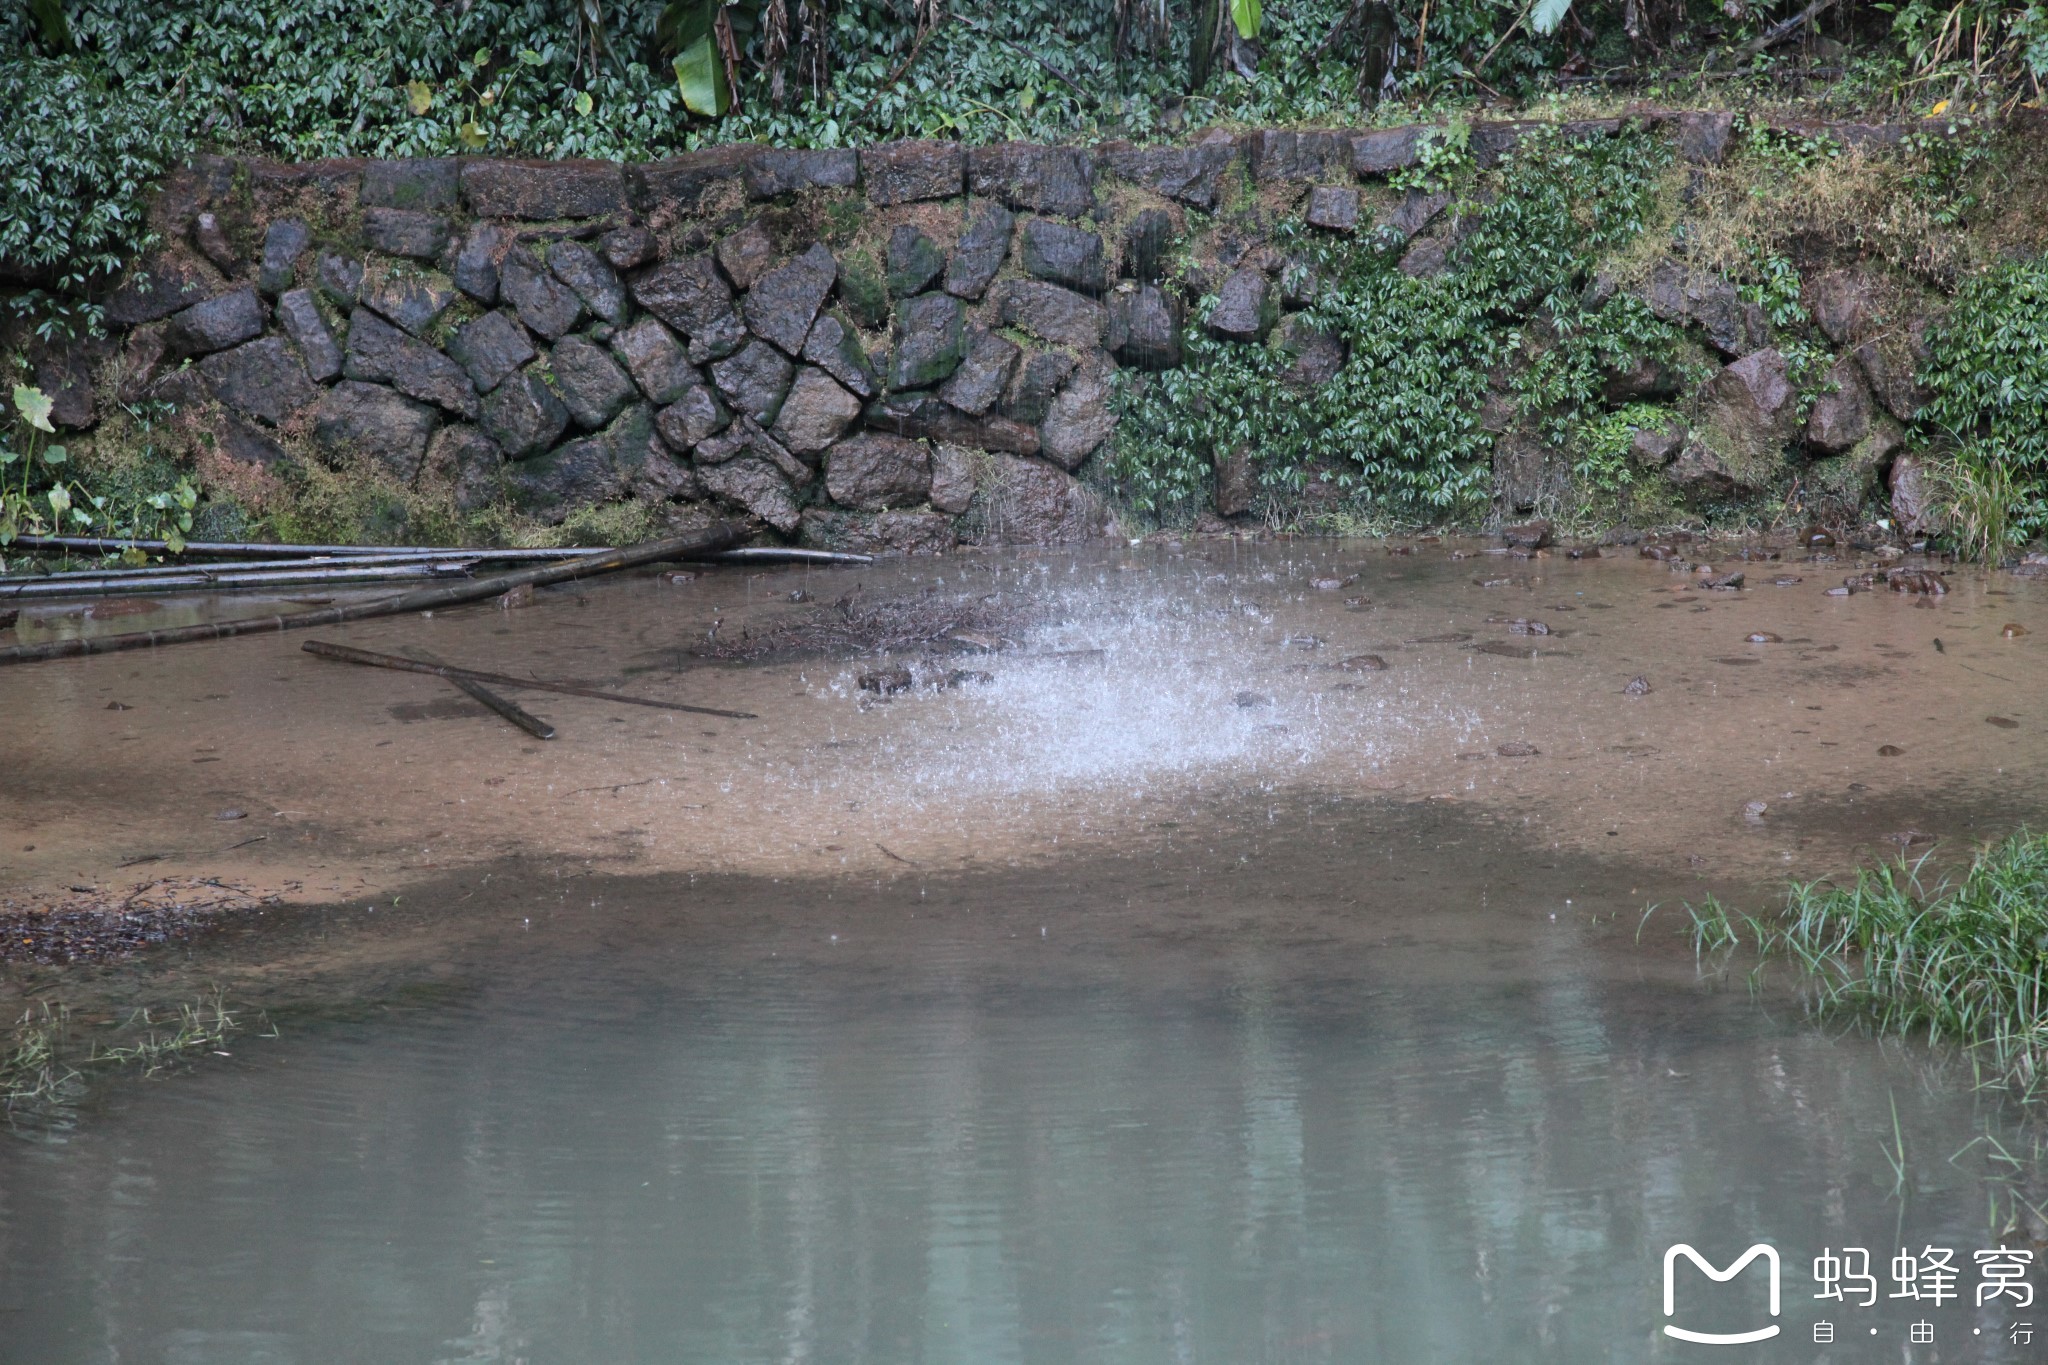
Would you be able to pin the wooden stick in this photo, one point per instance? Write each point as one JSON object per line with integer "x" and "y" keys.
{"x": 369, "y": 658}
{"x": 719, "y": 536}
{"x": 512, "y": 711}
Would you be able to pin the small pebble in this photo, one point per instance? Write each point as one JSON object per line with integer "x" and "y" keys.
{"x": 231, "y": 813}
{"x": 119, "y": 706}
{"x": 2002, "y": 722}
{"x": 2013, "y": 630}
{"x": 1638, "y": 686}
{"x": 1889, "y": 751}
{"x": 1764, "y": 637}
{"x": 1364, "y": 663}
{"x": 1516, "y": 748}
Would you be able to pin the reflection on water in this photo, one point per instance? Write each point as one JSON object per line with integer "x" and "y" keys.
{"x": 1349, "y": 1084}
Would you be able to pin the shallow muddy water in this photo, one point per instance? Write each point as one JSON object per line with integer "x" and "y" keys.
{"x": 1192, "y": 1001}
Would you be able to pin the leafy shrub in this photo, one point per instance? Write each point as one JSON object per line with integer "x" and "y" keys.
{"x": 1399, "y": 427}
{"x": 1988, "y": 385}
{"x": 77, "y": 158}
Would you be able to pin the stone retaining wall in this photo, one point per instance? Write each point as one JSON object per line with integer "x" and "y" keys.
{"x": 894, "y": 348}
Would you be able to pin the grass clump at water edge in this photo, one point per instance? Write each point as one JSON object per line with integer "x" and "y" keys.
{"x": 41, "y": 1063}
{"x": 1961, "y": 960}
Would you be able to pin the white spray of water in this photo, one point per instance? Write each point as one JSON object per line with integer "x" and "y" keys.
{"x": 1125, "y": 695}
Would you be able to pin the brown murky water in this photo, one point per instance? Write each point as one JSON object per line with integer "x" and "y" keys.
{"x": 1197, "y": 1000}
{"x": 358, "y": 776}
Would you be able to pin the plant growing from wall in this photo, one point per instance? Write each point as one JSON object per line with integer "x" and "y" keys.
{"x": 1987, "y": 386}
{"x": 1398, "y": 427}
{"x": 39, "y": 496}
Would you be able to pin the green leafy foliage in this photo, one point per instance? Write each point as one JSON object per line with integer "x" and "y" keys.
{"x": 77, "y": 159}
{"x": 1398, "y": 429}
{"x": 1771, "y": 282}
{"x": 1951, "y": 171}
{"x": 1602, "y": 466}
{"x": 1988, "y": 386}
{"x": 39, "y": 495}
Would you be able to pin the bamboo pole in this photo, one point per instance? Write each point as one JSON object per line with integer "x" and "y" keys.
{"x": 191, "y": 580}
{"x": 752, "y": 554}
{"x": 509, "y": 710}
{"x": 719, "y": 536}
{"x": 348, "y": 654}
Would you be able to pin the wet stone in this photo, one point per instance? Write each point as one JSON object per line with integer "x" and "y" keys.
{"x": 545, "y": 304}
{"x": 470, "y": 462}
{"x": 905, "y": 172}
{"x": 1053, "y": 313}
{"x": 1082, "y": 414}
{"x": 756, "y": 485}
{"x": 695, "y": 416}
{"x": 523, "y": 416}
{"x": 1037, "y": 380}
{"x": 953, "y": 482}
{"x": 783, "y": 303}
{"x": 755, "y": 380}
{"x": 380, "y": 353}
{"x": 413, "y": 302}
{"x": 912, "y": 263}
{"x": 357, "y": 419}
{"x": 261, "y": 378}
{"x": 815, "y": 414}
{"x": 980, "y": 252}
{"x": 931, "y": 340}
{"x": 1148, "y": 242}
{"x": 302, "y": 321}
{"x": 1144, "y": 329}
{"x": 592, "y": 386}
{"x": 216, "y": 324}
{"x": 475, "y": 270}
{"x": 283, "y": 244}
{"x": 772, "y": 171}
{"x": 978, "y": 384}
{"x": 1064, "y": 255}
{"x": 1333, "y": 208}
{"x": 412, "y": 183}
{"x": 627, "y": 248}
{"x": 746, "y": 255}
{"x": 403, "y": 232}
{"x": 717, "y": 339}
{"x": 1245, "y": 308}
{"x": 575, "y": 473}
{"x": 1058, "y": 180}
{"x": 212, "y": 241}
{"x": 655, "y": 360}
{"x": 873, "y": 471}
{"x": 834, "y": 347}
{"x": 594, "y": 281}
{"x": 491, "y": 348}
